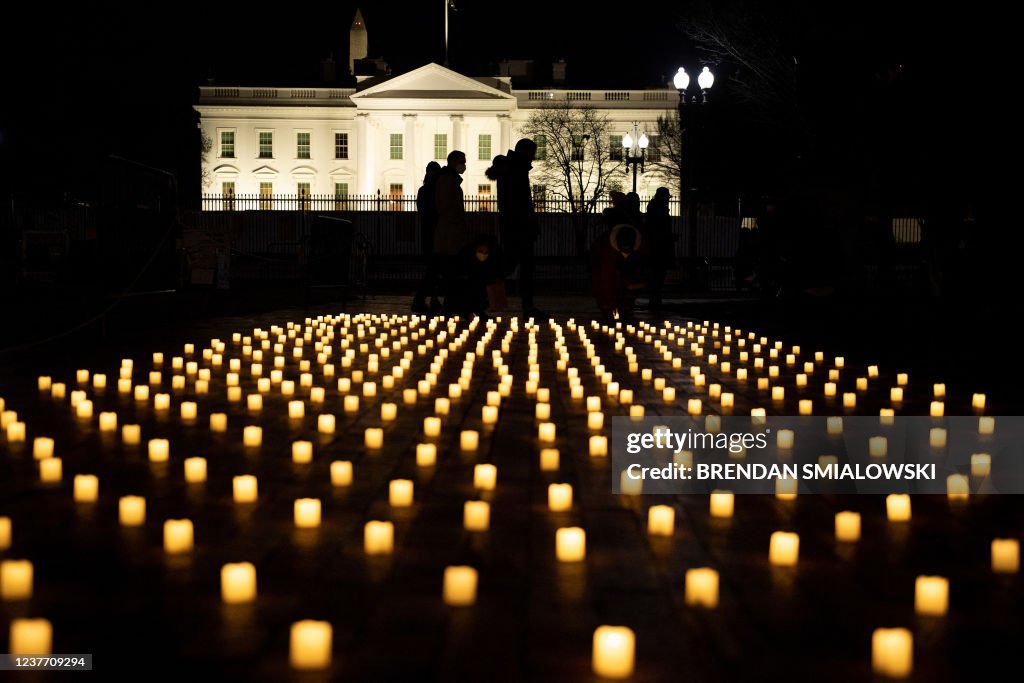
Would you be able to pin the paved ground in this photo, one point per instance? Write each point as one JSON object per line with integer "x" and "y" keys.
{"x": 113, "y": 591}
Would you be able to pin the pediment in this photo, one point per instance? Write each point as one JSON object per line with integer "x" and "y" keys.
{"x": 226, "y": 169}
{"x": 265, "y": 171}
{"x": 432, "y": 82}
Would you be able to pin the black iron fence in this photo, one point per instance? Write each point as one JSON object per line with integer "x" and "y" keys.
{"x": 402, "y": 203}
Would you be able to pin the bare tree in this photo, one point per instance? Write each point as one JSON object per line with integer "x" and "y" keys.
{"x": 666, "y": 164}
{"x": 205, "y": 147}
{"x": 766, "y": 70}
{"x": 576, "y": 165}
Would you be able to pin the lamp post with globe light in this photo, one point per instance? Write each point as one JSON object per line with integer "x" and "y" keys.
{"x": 640, "y": 141}
{"x": 691, "y": 110}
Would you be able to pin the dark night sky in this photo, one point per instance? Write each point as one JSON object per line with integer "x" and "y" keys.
{"x": 123, "y": 80}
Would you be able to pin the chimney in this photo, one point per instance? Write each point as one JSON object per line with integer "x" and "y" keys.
{"x": 558, "y": 72}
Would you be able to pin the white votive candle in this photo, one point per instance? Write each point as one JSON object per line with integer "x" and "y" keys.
{"x": 613, "y": 652}
{"x": 459, "y": 588}
{"x": 702, "y": 587}
{"x": 86, "y": 488}
{"x": 847, "y": 526}
{"x": 570, "y": 544}
{"x": 1005, "y": 555}
{"x": 892, "y": 652}
{"x": 178, "y": 536}
{"x": 784, "y": 549}
{"x": 238, "y": 583}
{"x": 244, "y": 488}
{"x": 341, "y": 473}
{"x": 897, "y": 507}
{"x": 307, "y": 513}
{"x": 310, "y": 645}
{"x": 661, "y": 520}
{"x": 378, "y": 538}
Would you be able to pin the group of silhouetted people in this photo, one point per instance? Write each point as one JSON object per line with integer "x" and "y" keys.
{"x": 465, "y": 269}
{"x": 462, "y": 263}
{"x": 633, "y": 253}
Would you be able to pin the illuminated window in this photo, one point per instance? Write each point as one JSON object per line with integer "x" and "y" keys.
{"x": 440, "y": 146}
{"x": 266, "y": 145}
{"x": 615, "y": 147}
{"x": 266, "y": 196}
{"x": 302, "y": 146}
{"x": 304, "y": 195}
{"x": 340, "y": 196}
{"x": 397, "y": 196}
{"x": 396, "y": 145}
{"x": 227, "y": 193}
{"x": 341, "y": 145}
{"x": 542, "y": 147}
{"x": 227, "y": 144}
{"x": 484, "y": 197}
{"x": 484, "y": 146}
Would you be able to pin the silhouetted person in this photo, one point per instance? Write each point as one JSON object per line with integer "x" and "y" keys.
{"x": 616, "y": 213}
{"x": 657, "y": 231}
{"x": 426, "y": 208}
{"x": 517, "y": 220}
{"x": 473, "y": 268}
{"x": 636, "y": 219}
{"x": 617, "y": 270}
{"x": 453, "y": 231}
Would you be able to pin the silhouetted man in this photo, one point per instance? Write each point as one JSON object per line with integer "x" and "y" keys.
{"x": 517, "y": 221}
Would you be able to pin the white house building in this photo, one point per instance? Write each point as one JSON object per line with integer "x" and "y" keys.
{"x": 379, "y": 136}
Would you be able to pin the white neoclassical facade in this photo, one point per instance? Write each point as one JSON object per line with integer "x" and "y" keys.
{"x": 380, "y": 137}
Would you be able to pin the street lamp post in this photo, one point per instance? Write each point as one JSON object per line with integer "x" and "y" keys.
{"x": 688, "y": 127}
{"x": 641, "y": 142}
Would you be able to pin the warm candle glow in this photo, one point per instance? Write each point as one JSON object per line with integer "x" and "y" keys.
{"x": 86, "y": 488}
{"x": 341, "y": 473}
{"x": 51, "y": 470}
{"x": 238, "y": 583}
{"x": 15, "y": 580}
{"x": 598, "y": 446}
{"x": 400, "y": 493}
{"x": 978, "y": 401}
{"x": 784, "y": 549}
{"x": 937, "y": 437}
{"x": 702, "y": 587}
{"x": 986, "y": 425}
{"x": 784, "y": 438}
{"x": 244, "y": 488}
{"x": 5, "y": 533}
{"x": 374, "y": 437}
{"x": 1005, "y": 554}
{"x": 848, "y": 526}
{"x": 252, "y": 436}
{"x": 661, "y": 520}
{"x": 897, "y": 507}
{"x": 310, "y": 645}
{"x": 614, "y": 650}
{"x": 378, "y": 538}
{"x": 178, "y": 536}
{"x": 476, "y": 515}
{"x": 570, "y": 544}
{"x": 159, "y": 450}
{"x": 42, "y": 447}
{"x": 432, "y": 426}
{"x": 560, "y": 497}
{"x": 981, "y": 464}
{"x": 307, "y": 513}
{"x": 459, "y": 589}
{"x": 549, "y": 458}
{"x": 195, "y": 470}
{"x": 931, "y": 595}
{"x": 892, "y": 652}
{"x": 31, "y": 637}
{"x": 878, "y": 446}
{"x": 131, "y": 510}
{"x": 469, "y": 440}
{"x": 722, "y": 504}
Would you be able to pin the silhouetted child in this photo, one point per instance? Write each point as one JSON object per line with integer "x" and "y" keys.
{"x": 618, "y": 270}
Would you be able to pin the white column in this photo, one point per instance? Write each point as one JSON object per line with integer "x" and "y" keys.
{"x": 505, "y": 140}
{"x": 365, "y": 180}
{"x": 457, "y": 126}
{"x": 411, "y": 164}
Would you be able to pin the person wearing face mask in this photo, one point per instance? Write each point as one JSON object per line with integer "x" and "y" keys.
{"x": 617, "y": 270}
